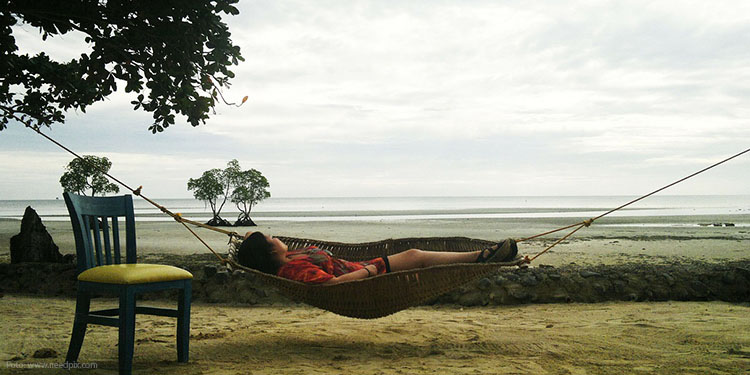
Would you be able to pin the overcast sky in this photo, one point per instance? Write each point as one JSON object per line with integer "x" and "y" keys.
{"x": 446, "y": 98}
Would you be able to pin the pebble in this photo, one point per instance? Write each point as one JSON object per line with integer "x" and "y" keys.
{"x": 45, "y": 353}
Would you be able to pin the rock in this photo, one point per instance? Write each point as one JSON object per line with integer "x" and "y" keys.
{"x": 45, "y": 353}
{"x": 34, "y": 243}
{"x": 700, "y": 289}
{"x": 209, "y": 271}
{"x": 729, "y": 278}
{"x": 554, "y": 276}
{"x": 473, "y": 299}
{"x": 513, "y": 277}
{"x": 669, "y": 278}
{"x": 499, "y": 280}
{"x": 484, "y": 284}
{"x": 222, "y": 276}
{"x": 219, "y": 222}
{"x": 529, "y": 280}
{"x": 586, "y": 274}
{"x": 518, "y": 292}
{"x": 743, "y": 271}
{"x": 248, "y": 222}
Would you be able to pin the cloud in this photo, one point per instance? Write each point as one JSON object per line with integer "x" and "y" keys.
{"x": 456, "y": 98}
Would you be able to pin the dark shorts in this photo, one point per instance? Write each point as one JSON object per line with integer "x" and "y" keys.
{"x": 381, "y": 263}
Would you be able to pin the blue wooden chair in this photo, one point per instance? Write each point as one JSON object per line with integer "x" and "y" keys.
{"x": 101, "y": 271}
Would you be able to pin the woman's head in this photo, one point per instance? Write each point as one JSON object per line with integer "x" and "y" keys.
{"x": 261, "y": 252}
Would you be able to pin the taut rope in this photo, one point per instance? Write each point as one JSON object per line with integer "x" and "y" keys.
{"x": 587, "y": 223}
{"x": 178, "y": 217}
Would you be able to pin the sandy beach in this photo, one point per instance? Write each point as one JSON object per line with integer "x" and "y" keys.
{"x": 608, "y": 338}
{"x": 603, "y": 338}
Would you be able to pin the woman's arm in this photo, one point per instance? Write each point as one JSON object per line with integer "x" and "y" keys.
{"x": 356, "y": 275}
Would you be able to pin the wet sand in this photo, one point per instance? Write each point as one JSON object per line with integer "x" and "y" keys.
{"x": 606, "y": 242}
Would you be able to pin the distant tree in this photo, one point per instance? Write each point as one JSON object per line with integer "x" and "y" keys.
{"x": 88, "y": 174}
{"x": 250, "y": 187}
{"x": 180, "y": 50}
{"x": 209, "y": 188}
{"x": 244, "y": 188}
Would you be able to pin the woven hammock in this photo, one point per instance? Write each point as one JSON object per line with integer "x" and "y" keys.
{"x": 383, "y": 294}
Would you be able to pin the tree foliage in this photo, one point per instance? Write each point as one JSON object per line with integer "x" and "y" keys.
{"x": 243, "y": 188}
{"x": 250, "y": 187}
{"x": 209, "y": 188}
{"x": 179, "y": 50}
{"x": 88, "y": 174}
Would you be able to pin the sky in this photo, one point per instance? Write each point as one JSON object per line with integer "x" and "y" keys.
{"x": 438, "y": 98}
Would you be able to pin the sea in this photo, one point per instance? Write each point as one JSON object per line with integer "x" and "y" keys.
{"x": 418, "y": 208}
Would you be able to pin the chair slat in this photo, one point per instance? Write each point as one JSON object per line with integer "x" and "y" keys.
{"x": 97, "y": 241}
{"x": 90, "y": 256}
{"x": 107, "y": 245}
{"x": 116, "y": 239}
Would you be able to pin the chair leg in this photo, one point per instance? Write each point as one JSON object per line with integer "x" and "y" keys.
{"x": 183, "y": 323}
{"x": 127, "y": 331}
{"x": 83, "y": 303}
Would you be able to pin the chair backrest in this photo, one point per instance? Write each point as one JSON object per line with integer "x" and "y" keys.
{"x": 97, "y": 231}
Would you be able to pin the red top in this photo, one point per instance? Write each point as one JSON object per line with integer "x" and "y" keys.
{"x": 316, "y": 266}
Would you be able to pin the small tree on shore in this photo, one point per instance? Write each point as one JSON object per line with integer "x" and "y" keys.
{"x": 250, "y": 188}
{"x": 244, "y": 188}
{"x": 208, "y": 188}
{"x": 88, "y": 174}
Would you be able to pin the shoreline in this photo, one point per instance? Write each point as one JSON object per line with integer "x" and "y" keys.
{"x": 602, "y": 243}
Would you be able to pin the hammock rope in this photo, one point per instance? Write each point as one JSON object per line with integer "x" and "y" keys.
{"x": 577, "y": 226}
{"x": 414, "y": 286}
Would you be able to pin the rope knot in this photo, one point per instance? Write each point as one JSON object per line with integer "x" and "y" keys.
{"x": 138, "y": 191}
{"x": 587, "y": 223}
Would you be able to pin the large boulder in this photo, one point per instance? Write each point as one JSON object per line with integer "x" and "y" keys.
{"x": 34, "y": 243}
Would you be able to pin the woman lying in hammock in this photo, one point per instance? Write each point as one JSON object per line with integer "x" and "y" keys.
{"x": 313, "y": 265}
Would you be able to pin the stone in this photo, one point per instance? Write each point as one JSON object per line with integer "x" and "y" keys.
{"x": 45, "y": 353}
{"x": 221, "y": 276}
{"x": 485, "y": 284}
{"x": 33, "y": 243}
{"x": 473, "y": 299}
{"x": 529, "y": 280}
{"x": 518, "y": 292}
{"x": 669, "y": 278}
{"x": 586, "y": 274}
{"x": 700, "y": 290}
{"x": 499, "y": 280}
{"x": 209, "y": 271}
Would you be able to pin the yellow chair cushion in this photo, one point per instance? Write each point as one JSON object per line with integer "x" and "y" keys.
{"x": 138, "y": 273}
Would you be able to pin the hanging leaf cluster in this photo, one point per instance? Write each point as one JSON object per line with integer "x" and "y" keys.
{"x": 175, "y": 55}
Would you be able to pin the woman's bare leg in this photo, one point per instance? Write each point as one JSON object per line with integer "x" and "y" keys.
{"x": 415, "y": 258}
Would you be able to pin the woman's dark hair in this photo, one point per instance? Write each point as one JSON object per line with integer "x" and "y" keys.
{"x": 255, "y": 252}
